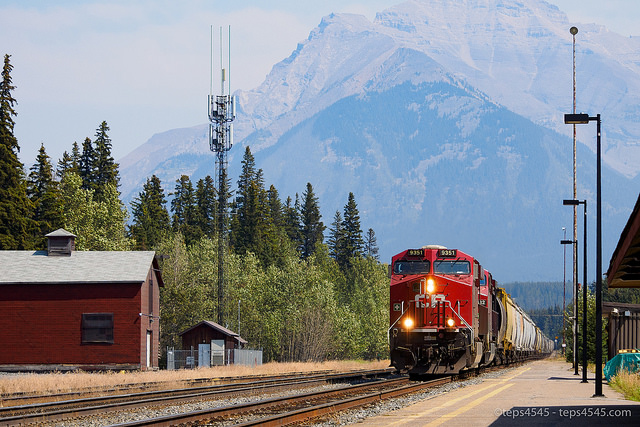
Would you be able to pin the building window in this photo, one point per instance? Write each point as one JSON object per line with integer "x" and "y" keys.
{"x": 97, "y": 328}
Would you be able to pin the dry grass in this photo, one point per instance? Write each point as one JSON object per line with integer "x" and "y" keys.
{"x": 628, "y": 384}
{"x": 77, "y": 381}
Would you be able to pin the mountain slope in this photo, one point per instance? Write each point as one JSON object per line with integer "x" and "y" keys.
{"x": 445, "y": 120}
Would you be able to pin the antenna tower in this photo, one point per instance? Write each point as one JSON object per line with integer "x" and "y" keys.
{"x": 222, "y": 111}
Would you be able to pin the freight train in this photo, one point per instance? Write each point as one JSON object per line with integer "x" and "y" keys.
{"x": 448, "y": 315}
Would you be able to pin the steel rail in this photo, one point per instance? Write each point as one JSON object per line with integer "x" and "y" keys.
{"x": 234, "y": 410}
{"x": 24, "y": 398}
{"x": 349, "y": 403}
{"x": 50, "y": 411}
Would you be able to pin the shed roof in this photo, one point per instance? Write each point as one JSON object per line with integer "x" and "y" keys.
{"x": 36, "y": 267}
{"x": 60, "y": 232}
{"x": 217, "y": 327}
{"x": 624, "y": 267}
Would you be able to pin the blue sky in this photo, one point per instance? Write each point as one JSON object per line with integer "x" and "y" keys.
{"x": 144, "y": 66}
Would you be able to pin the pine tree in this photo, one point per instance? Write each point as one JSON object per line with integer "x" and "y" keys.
{"x": 336, "y": 237}
{"x": 245, "y": 205}
{"x": 44, "y": 193}
{"x": 150, "y": 216}
{"x": 106, "y": 169}
{"x": 312, "y": 226}
{"x": 371, "y": 245}
{"x": 69, "y": 162}
{"x": 206, "y": 203}
{"x": 183, "y": 209}
{"x": 16, "y": 225}
{"x": 276, "y": 210}
{"x": 274, "y": 242}
{"x": 353, "y": 243}
{"x": 64, "y": 165}
{"x": 292, "y": 222}
{"x": 87, "y": 165}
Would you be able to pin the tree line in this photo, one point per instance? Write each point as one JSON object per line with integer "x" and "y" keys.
{"x": 288, "y": 290}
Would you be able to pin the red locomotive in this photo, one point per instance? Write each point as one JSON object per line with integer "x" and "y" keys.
{"x": 447, "y": 315}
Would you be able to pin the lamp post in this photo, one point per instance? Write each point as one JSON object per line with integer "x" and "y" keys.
{"x": 574, "y": 202}
{"x": 575, "y": 308}
{"x": 585, "y": 119}
{"x": 564, "y": 285}
{"x": 574, "y": 31}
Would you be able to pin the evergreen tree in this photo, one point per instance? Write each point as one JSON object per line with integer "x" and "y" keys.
{"x": 64, "y": 165}
{"x": 16, "y": 225}
{"x": 183, "y": 208}
{"x": 69, "y": 162}
{"x": 106, "y": 169}
{"x": 371, "y": 244}
{"x": 245, "y": 206}
{"x": 44, "y": 193}
{"x": 353, "y": 243}
{"x": 274, "y": 243}
{"x": 206, "y": 203}
{"x": 276, "y": 210}
{"x": 292, "y": 225}
{"x": 336, "y": 237}
{"x": 312, "y": 226}
{"x": 150, "y": 215}
{"x": 87, "y": 165}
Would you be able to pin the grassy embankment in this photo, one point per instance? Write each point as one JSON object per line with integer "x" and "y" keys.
{"x": 78, "y": 381}
{"x": 628, "y": 384}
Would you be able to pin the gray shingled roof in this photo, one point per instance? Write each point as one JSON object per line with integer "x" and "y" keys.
{"x": 24, "y": 267}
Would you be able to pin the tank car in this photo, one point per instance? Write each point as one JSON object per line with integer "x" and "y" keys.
{"x": 447, "y": 315}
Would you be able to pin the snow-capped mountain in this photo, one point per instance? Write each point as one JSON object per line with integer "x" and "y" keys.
{"x": 445, "y": 120}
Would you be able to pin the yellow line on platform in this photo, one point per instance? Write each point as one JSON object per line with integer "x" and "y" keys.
{"x": 410, "y": 419}
{"x": 466, "y": 407}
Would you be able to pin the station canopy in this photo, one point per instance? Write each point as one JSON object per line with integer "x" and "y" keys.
{"x": 624, "y": 267}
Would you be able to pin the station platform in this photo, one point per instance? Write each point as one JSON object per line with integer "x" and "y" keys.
{"x": 540, "y": 393}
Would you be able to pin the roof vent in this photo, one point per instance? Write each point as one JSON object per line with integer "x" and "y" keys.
{"x": 60, "y": 243}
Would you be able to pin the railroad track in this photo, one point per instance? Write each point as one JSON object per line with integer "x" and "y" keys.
{"x": 57, "y": 410}
{"x": 26, "y": 398}
{"x": 284, "y": 410}
{"x": 266, "y": 411}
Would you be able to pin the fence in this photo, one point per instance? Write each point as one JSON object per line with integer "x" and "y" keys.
{"x": 203, "y": 357}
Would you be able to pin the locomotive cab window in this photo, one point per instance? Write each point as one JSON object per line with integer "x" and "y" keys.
{"x": 451, "y": 267}
{"x": 97, "y": 328}
{"x": 411, "y": 267}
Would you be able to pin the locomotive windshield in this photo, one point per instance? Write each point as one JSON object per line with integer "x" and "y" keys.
{"x": 411, "y": 267}
{"x": 451, "y": 267}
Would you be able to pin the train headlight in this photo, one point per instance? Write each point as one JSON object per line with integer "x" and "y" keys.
{"x": 451, "y": 323}
{"x": 408, "y": 323}
{"x": 431, "y": 285}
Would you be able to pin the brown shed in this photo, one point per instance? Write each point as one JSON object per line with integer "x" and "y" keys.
{"x": 207, "y": 331}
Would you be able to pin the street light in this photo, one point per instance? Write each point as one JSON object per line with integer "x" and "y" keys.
{"x": 573, "y": 202}
{"x": 564, "y": 286}
{"x": 575, "y": 308}
{"x": 584, "y": 119}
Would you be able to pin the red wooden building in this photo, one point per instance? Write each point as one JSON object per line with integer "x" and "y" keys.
{"x": 64, "y": 309}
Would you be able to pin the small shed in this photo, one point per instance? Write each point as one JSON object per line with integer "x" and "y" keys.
{"x": 207, "y": 331}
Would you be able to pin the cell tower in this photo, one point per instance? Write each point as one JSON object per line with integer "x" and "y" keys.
{"x": 222, "y": 111}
